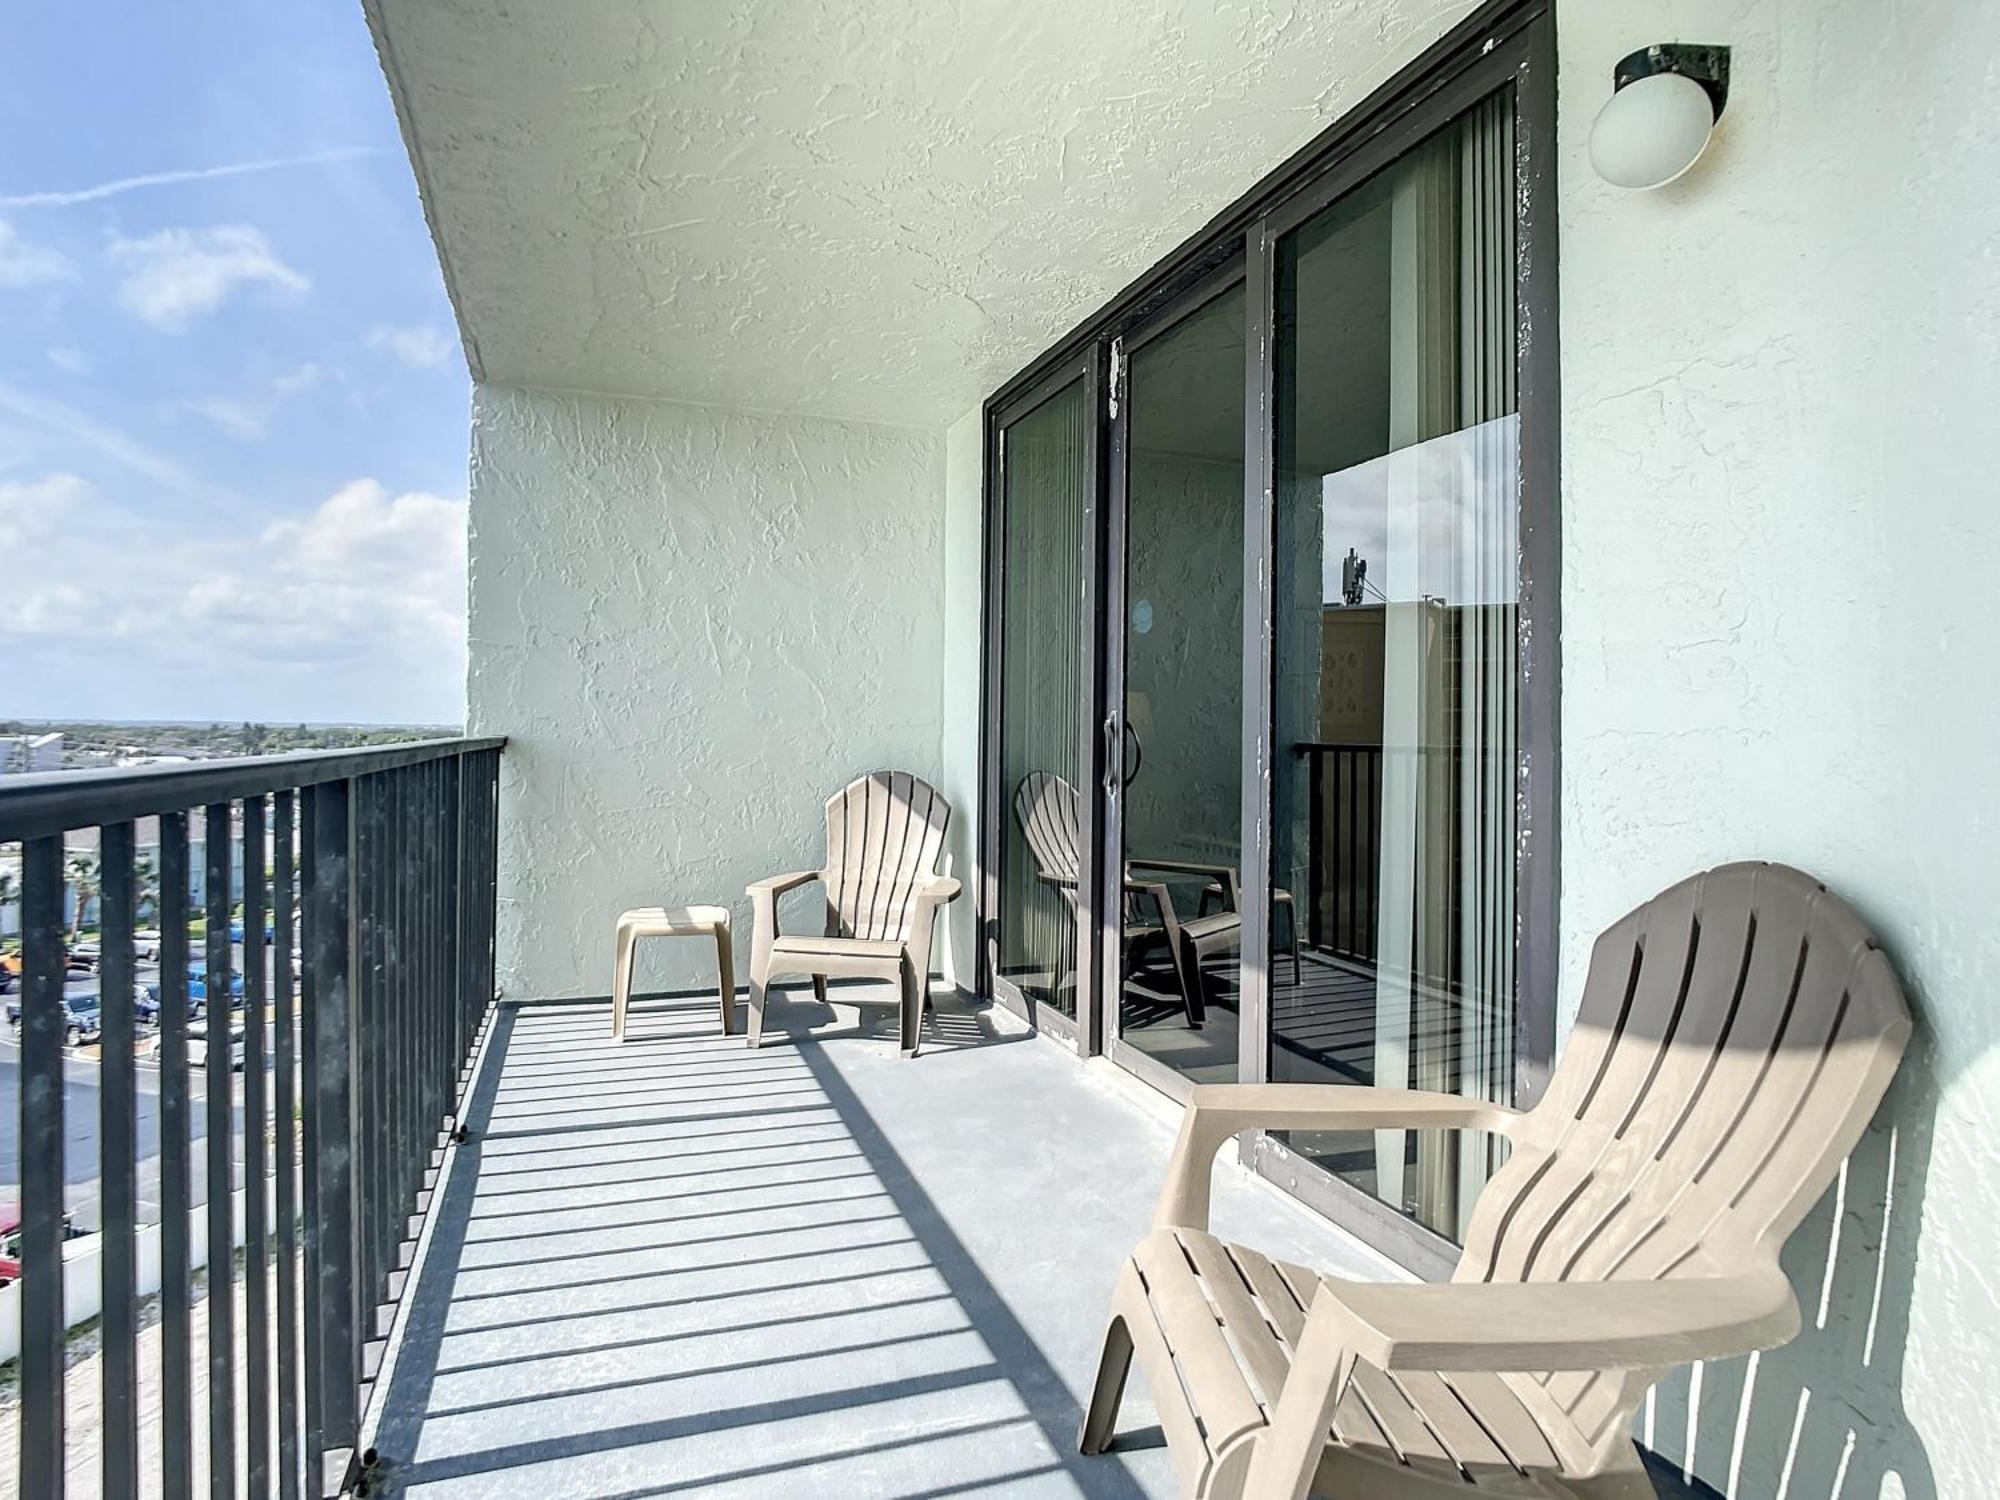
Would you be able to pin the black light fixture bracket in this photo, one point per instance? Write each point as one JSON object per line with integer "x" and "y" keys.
{"x": 1706, "y": 65}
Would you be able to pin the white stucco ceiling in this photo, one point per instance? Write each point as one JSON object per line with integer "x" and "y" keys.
{"x": 877, "y": 209}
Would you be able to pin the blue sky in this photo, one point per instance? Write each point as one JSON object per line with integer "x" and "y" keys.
{"x": 232, "y": 401}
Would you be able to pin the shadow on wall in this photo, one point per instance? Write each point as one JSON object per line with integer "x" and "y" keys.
{"x": 1823, "y": 1417}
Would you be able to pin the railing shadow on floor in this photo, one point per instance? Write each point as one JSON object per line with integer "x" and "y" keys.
{"x": 950, "y": 1333}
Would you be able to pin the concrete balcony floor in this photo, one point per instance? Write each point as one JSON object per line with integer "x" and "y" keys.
{"x": 674, "y": 1266}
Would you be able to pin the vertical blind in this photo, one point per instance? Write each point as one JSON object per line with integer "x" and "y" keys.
{"x": 1046, "y": 479}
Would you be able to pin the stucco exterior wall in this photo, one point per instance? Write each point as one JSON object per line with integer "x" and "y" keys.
{"x": 693, "y": 625}
{"x": 1779, "y": 632}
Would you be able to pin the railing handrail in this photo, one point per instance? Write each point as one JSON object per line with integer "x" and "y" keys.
{"x": 47, "y": 802}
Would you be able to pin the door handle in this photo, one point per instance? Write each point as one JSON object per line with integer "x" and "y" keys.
{"x": 1113, "y": 753}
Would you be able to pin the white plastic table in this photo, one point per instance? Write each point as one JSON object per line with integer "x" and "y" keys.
{"x": 673, "y": 922}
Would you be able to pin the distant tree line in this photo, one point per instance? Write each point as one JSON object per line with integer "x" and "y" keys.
{"x": 207, "y": 741}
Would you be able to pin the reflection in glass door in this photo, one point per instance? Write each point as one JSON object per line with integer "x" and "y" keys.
{"x": 1178, "y": 954}
{"x": 1047, "y": 474}
{"x": 1394, "y": 722}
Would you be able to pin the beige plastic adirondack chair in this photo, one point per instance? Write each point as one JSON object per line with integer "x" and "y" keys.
{"x": 884, "y": 838}
{"x": 1051, "y": 817}
{"x": 1735, "y": 1036}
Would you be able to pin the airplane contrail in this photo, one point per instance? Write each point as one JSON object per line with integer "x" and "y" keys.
{"x": 192, "y": 174}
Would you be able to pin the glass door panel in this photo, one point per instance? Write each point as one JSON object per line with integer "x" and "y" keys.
{"x": 1394, "y": 732}
{"x": 1046, "y": 470}
{"x": 1180, "y": 811}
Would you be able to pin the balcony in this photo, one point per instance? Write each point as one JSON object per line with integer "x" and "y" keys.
{"x": 501, "y": 1253}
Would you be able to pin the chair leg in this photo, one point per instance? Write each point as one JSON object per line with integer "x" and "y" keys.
{"x": 1101, "y": 1416}
{"x": 725, "y": 974}
{"x": 760, "y": 973}
{"x": 1287, "y": 1454}
{"x": 914, "y": 987}
{"x": 1191, "y": 981}
{"x": 819, "y": 988}
{"x": 621, "y": 981}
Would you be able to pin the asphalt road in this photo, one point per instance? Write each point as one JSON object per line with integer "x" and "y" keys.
{"x": 82, "y": 1103}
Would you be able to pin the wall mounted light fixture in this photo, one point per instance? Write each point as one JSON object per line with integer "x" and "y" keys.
{"x": 1663, "y": 107}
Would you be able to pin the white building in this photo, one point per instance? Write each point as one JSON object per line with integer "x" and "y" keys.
{"x": 26, "y": 754}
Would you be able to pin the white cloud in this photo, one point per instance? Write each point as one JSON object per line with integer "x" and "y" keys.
{"x": 23, "y": 264}
{"x": 30, "y": 509}
{"x": 360, "y": 600}
{"x": 248, "y": 416}
{"x": 422, "y": 347}
{"x": 177, "y": 275}
{"x": 69, "y": 361}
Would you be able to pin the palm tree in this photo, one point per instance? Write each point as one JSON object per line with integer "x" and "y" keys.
{"x": 146, "y": 882}
{"x": 83, "y": 879}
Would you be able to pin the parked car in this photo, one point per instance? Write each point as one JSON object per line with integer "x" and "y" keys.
{"x": 198, "y": 986}
{"x": 197, "y": 1034}
{"x": 236, "y": 930}
{"x": 10, "y": 1239}
{"x": 146, "y": 1001}
{"x": 83, "y": 1018}
{"x": 146, "y": 943}
{"x": 83, "y": 958}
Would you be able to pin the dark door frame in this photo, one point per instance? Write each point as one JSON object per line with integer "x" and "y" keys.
{"x": 996, "y": 802}
{"x": 1507, "y": 43}
{"x": 1111, "y": 709}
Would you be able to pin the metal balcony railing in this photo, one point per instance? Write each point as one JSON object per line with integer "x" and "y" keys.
{"x": 376, "y": 869}
{"x": 1344, "y": 846}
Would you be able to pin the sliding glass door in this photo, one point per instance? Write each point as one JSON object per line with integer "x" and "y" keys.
{"x": 1175, "y": 591}
{"x": 1394, "y": 624}
{"x": 1271, "y": 737}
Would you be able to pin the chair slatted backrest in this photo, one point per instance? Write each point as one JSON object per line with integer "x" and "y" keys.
{"x": 1735, "y": 1036}
{"x": 1051, "y": 817}
{"x": 884, "y": 836}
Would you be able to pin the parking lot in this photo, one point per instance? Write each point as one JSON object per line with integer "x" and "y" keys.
{"x": 82, "y": 1106}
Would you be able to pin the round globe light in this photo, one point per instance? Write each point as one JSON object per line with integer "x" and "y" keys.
{"x": 1651, "y": 130}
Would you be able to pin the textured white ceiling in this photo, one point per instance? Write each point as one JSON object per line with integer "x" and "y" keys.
{"x": 877, "y": 209}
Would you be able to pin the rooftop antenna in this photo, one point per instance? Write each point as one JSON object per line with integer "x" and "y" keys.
{"x": 1353, "y": 578}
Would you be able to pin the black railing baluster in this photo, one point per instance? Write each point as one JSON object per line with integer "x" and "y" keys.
{"x": 221, "y": 1167}
{"x": 333, "y": 1227}
{"x": 312, "y": 1335}
{"x": 365, "y": 810}
{"x": 117, "y": 1162}
{"x": 396, "y": 992}
{"x": 453, "y": 991}
{"x": 43, "y": 969}
{"x": 284, "y": 1097}
{"x": 435, "y": 1049}
{"x": 176, "y": 1200}
{"x": 435, "y": 1054}
{"x": 256, "y": 1244}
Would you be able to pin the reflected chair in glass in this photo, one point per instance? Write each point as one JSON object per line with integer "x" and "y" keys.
{"x": 1051, "y": 817}
{"x": 1736, "y": 1035}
